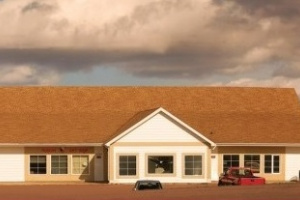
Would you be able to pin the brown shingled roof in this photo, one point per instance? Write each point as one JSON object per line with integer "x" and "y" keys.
{"x": 95, "y": 114}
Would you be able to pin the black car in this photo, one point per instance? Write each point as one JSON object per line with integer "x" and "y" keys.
{"x": 148, "y": 185}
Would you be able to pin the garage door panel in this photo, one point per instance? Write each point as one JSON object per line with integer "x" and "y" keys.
{"x": 11, "y": 164}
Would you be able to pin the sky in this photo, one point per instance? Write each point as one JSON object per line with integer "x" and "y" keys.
{"x": 250, "y": 43}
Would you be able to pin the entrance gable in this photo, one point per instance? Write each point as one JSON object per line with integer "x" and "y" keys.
{"x": 159, "y": 129}
{"x": 160, "y": 126}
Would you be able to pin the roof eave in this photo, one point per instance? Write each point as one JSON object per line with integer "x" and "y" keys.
{"x": 258, "y": 144}
{"x": 51, "y": 144}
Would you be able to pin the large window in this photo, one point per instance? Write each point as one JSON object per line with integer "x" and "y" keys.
{"x": 59, "y": 164}
{"x": 38, "y": 164}
{"x": 160, "y": 164}
{"x": 127, "y": 165}
{"x": 272, "y": 163}
{"x": 193, "y": 165}
{"x": 80, "y": 164}
{"x": 252, "y": 162}
{"x": 230, "y": 161}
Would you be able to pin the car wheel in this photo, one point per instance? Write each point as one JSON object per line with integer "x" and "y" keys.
{"x": 220, "y": 183}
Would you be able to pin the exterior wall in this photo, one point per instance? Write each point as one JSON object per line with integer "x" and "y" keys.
{"x": 69, "y": 151}
{"x": 241, "y": 151}
{"x": 100, "y": 170}
{"x": 292, "y": 164}
{"x": 11, "y": 164}
{"x": 214, "y": 166}
{"x": 160, "y": 135}
{"x": 159, "y": 128}
{"x": 178, "y": 151}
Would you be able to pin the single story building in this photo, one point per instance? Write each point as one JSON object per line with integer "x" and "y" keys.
{"x": 121, "y": 134}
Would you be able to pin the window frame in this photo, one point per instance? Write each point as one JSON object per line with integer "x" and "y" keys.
{"x": 272, "y": 164}
{"x": 118, "y": 166}
{"x": 252, "y": 160}
{"x": 184, "y": 166}
{"x": 46, "y": 165}
{"x": 88, "y": 164}
{"x": 160, "y": 174}
{"x": 59, "y": 163}
{"x": 233, "y": 154}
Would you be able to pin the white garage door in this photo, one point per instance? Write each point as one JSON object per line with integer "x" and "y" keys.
{"x": 292, "y": 164}
{"x": 11, "y": 164}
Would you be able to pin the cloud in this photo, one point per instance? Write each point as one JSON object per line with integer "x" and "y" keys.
{"x": 187, "y": 39}
{"x": 26, "y": 75}
{"x": 278, "y": 81}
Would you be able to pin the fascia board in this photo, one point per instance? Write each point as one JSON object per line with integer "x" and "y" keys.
{"x": 50, "y": 144}
{"x": 258, "y": 144}
{"x": 149, "y": 117}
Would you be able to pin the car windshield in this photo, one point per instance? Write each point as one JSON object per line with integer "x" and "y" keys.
{"x": 144, "y": 185}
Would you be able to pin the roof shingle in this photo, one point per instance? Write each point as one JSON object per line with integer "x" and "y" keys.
{"x": 95, "y": 114}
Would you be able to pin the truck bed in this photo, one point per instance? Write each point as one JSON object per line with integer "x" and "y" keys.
{"x": 252, "y": 181}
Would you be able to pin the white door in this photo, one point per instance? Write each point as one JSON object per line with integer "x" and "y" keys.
{"x": 11, "y": 164}
{"x": 214, "y": 167}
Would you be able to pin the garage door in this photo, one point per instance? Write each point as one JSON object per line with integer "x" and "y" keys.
{"x": 11, "y": 164}
{"x": 292, "y": 164}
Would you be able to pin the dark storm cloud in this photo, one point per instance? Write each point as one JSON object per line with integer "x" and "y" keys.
{"x": 165, "y": 38}
{"x": 140, "y": 63}
{"x": 37, "y": 6}
{"x": 284, "y": 9}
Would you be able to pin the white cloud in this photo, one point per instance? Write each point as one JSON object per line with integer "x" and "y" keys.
{"x": 150, "y": 38}
{"x": 279, "y": 81}
{"x": 27, "y": 75}
{"x": 106, "y": 24}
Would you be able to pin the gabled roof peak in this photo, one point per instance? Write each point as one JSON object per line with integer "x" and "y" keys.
{"x": 147, "y": 115}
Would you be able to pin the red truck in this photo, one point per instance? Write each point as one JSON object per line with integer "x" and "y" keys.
{"x": 240, "y": 176}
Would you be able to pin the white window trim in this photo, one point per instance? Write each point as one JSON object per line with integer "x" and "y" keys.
{"x": 260, "y": 161}
{"x": 183, "y": 165}
{"x": 89, "y": 166}
{"x": 230, "y": 154}
{"x": 67, "y": 164}
{"x": 118, "y": 166}
{"x": 30, "y": 162}
{"x": 160, "y": 175}
{"x": 272, "y": 163}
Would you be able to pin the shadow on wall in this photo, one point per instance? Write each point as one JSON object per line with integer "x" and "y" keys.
{"x": 294, "y": 179}
{"x": 85, "y": 167}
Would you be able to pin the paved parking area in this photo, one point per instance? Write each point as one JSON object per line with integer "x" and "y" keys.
{"x": 91, "y": 191}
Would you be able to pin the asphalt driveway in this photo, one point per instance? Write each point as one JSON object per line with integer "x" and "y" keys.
{"x": 91, "y": 191}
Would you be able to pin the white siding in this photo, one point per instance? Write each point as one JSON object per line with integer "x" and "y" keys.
{"x": 177, "y": 151}
{"x": 292, "y": 164}
{"x": 159, "y": 128}
{"x": 12, "y": 164}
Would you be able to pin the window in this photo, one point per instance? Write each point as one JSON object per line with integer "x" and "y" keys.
{"x": 127, "y": 165}
{"x": 272, "y": 163}
{"x": 252, "y": 162}
{"x": 230, "y": 161}
{"x": 80, "y": 164}
{"x": 59, "y": 164}
{"x": 193, "y": 165}
{"x": 38, "y": 165}
{"x": 160, "y": 164}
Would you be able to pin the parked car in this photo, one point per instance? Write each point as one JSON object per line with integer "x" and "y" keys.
{"x": 147, "y": 185}
{"x": 240, "y": 176}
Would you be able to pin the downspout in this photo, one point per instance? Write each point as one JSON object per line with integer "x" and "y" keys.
{"x": 108, "y": 163}
{"x": 214, "y": 147}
